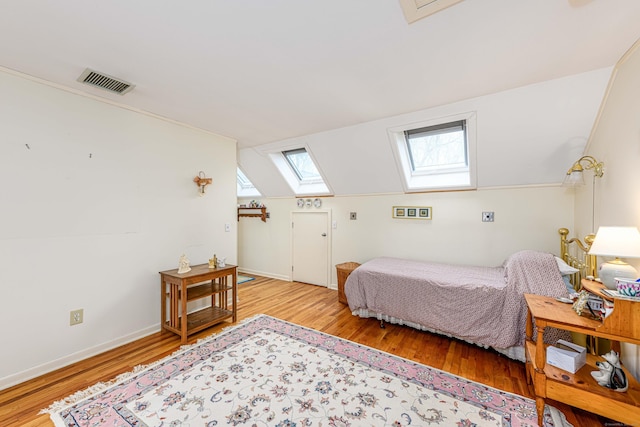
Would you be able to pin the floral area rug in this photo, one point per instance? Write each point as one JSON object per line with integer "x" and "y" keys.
{"x": 268, "y": 372}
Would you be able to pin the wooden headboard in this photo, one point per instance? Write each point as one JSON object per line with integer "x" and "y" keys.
{"x": 575, "y": 252}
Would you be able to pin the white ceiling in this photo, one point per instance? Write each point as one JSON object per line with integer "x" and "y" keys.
{"x": 267, "y": 70}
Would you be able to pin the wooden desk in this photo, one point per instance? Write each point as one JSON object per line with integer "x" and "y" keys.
{"x": 580, "y": 389}
{"x": 200, "y": 282}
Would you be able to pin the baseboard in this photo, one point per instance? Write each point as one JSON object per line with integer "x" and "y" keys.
{"x": 264, "y": 274}
{"x": 245, "y": 271}
{"x": 20, "y": 377}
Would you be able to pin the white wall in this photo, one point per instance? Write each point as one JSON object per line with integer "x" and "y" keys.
{"x": 525, "y": 218}
{"x": 615, "y": 140}
{"x": 525, "y": 136}
{"x": 96, "y": 200}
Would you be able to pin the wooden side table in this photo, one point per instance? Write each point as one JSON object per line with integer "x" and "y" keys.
{"x": 580, "y": 389}
{"x": 343, "y": 271}
{"x": 200, "y": 282}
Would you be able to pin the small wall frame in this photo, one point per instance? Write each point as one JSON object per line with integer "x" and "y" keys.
{"x": 412, "y": 212}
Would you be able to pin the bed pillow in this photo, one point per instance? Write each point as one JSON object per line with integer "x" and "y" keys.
{"x": 567, "y": 283}
{"x": 565, "y": 268}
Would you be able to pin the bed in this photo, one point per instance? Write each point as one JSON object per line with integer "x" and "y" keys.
{"x": 480, "y": 305}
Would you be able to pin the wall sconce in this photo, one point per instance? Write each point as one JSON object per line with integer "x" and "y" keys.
{"x": 202, "y": 182}
{"x": 616, "y": 242}
{"x": 575, "y": 174}
{"x": 575, "y": 178}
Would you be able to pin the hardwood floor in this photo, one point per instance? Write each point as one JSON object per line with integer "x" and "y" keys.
{"x": 306, "y": 305}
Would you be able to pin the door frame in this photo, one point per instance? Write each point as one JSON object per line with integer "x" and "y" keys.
{"x": 329, "y": 241}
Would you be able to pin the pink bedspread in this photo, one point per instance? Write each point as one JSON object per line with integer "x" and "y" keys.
{"x": 483, "y": 305}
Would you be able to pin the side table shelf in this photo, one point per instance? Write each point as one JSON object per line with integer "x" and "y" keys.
{"x": 218, "y": 284}
{"x": 579, "y": 389}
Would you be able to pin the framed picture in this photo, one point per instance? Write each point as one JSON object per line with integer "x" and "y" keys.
{"x": 424, "y": 213}
{"x": 412, "y": 212}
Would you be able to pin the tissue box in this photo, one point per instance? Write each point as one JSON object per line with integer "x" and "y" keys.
{"x": 567, "y": 356}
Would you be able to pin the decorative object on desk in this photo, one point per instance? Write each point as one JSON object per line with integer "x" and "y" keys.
{"x": 581, "y": 302}
{"x": 201, "y": 181}
{"x": 308, "y": 378}
{"x": 412, "y": 212}
{"x": 183, "y": 264}
{"x": 212, "y": 261}
{"x": 628, "y": 287}
{"x": 222, "y": 262}
{"x": 616, "y": 242}
{"x": 588, "y": 304}
{"x": 611, "y": 374}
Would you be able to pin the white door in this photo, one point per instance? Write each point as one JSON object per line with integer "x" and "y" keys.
{"x": 310, "y": 247}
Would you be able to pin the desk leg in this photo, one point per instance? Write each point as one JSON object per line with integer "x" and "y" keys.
{"x": 174, "y": 315}
{"x": 234, "y": 294}
{"x": 540, "y": 382}
{"x": 540, "y": 408}
{"x": 183, "y": 313}
{"x": 163, "y": 305}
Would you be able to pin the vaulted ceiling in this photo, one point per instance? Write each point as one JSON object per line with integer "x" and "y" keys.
{"x": 265, "y": 71}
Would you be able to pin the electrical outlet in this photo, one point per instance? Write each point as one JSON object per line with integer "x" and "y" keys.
{"x": 353, "y": 216}
{"x": 75, "y": 318}
{"x": 487, "y": 216}
{"x": 227, "y": 227}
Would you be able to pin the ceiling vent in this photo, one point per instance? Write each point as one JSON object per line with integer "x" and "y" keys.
{"x": 105, "y": 82}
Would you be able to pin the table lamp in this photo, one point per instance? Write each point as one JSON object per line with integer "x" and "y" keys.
{"x": 616, "y": 242}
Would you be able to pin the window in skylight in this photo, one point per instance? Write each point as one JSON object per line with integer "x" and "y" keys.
{"x": 244, "y": 186}
{"x": 302, "y": 165}
{"x": 437, "y": 148}
{"x": 300, "y": 171}
{"x": 436, "y": 155}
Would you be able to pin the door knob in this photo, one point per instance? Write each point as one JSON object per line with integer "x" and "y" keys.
{"x": 324, "y": 234}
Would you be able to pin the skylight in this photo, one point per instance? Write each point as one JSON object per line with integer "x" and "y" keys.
{"x": 436, "y": 155}
{"x": 437, "y": 148}
{"x": 302, "y": 165}
{"x": 245, "y": 187}
{"x": 300, "y": 171}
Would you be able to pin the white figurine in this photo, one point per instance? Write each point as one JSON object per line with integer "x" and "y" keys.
{"x": 222, "y": 262}
{"x": 611, "y": 374}
{"x": 183, "y": 264}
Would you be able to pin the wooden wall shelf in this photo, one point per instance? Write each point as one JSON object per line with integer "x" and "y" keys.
{"x": 253, "y": 212}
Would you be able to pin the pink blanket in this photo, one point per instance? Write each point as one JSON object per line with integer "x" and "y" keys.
{"x": 482, "y": 305}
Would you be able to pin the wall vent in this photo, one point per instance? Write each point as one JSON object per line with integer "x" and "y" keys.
{"x": 103, "y": 81}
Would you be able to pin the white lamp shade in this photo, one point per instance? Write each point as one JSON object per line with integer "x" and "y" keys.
{"x": 623, "y": 242}
{"x": 573, "y": 179}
